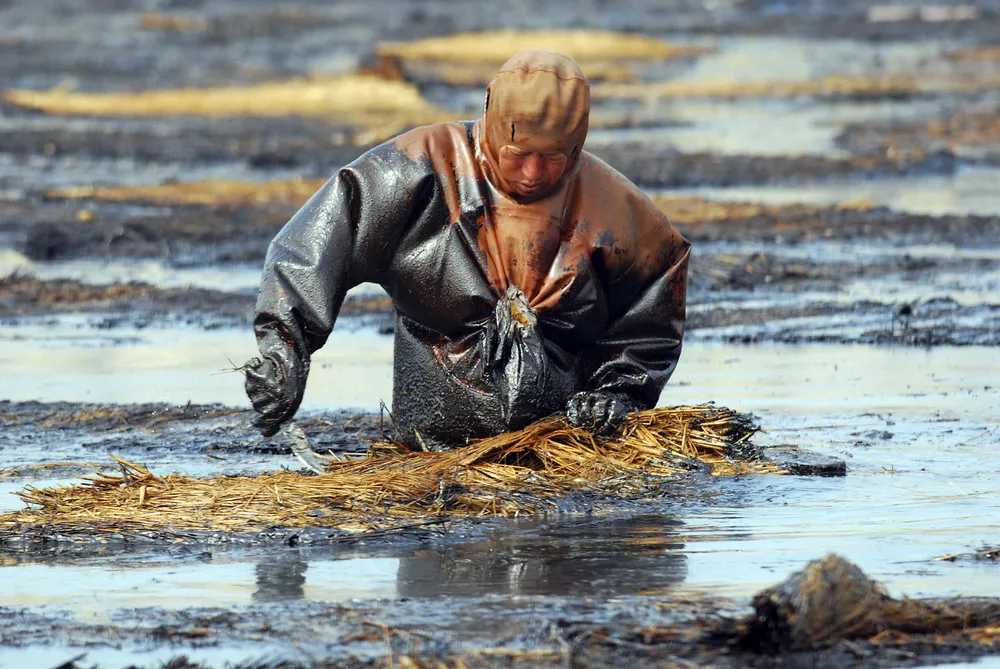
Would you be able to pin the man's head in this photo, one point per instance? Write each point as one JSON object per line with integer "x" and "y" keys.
{"x": 535, "y": 122}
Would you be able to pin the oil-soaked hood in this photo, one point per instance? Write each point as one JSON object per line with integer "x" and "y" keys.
{"x": 539, "y": 102}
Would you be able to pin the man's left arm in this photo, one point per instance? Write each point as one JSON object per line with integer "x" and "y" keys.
{"x": 638, "y": 352}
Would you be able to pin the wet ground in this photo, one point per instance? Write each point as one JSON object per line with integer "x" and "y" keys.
{"x": 848, "y": 294}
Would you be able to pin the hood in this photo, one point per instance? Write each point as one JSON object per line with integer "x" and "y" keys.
{"x": 539, "y": 102}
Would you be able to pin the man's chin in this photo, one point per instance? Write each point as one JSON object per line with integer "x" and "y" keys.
{"x": 531, "y": 192}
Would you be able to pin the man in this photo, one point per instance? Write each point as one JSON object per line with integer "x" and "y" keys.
{"x": 528, "y": 276}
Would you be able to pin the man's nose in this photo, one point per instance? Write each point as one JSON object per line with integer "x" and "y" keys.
{"x": 532, "y": 169}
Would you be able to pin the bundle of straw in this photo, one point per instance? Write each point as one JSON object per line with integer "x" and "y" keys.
{"x": 511, "y": 474}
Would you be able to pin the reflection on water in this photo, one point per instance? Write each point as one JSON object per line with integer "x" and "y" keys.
{"x": 738, "y": 128}
{"x": 779, "y": 58}
{"x": 848, "y": 251}
{"x": 920, "y": 431}
{"x": 577, "y": 558}
{"x": 95, "y": 586}
{"x": 776, "y": 128}
{"x": 231, "y": 278}
{"x": 581, "y": 559}
{"x": 280, "y": 579}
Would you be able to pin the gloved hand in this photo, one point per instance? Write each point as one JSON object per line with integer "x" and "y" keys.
{"x": 599, "y": 412}
{"x": 274, "y": 390}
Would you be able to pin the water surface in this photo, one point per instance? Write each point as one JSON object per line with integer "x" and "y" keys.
{"x": 920, "y": 430}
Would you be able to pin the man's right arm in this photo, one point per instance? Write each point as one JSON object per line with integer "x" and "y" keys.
{"x": 344, "y": 235}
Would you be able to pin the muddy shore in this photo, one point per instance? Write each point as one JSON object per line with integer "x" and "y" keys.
{"x": 587, "y": 633}
{"x": 835, "y": 166}
{"x": 932, "y": 322}
{"x": 462, "y": 631}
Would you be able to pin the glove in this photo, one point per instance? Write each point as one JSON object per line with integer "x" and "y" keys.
{"x": 275, "y": 390}
{"x": 599, "y": 412}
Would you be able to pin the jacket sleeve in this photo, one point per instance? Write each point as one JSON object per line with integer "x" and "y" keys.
{"x": 344, "y": 235}
{"x": 638, "y": 351}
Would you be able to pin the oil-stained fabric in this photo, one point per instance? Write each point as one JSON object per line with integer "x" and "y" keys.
{"x": 593, "y": 275}
{"x": 538, "y": 102}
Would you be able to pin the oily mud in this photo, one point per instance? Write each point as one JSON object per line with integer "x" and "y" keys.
{"x": 158, "y": 38}
{"x": 201, "y": 235}
{"x": 140, "y": 304}
{"x": 580, "y": 631}
{"x": 262, "y": 144}
{"x": 973, "y": 135}
{"x": 191, "y": 234}
{"x": 928, "y": 299}
{"x": 309, "y": 149}
{"x": 137, "y": 305}
{"x": 606, "y": 576}
{"x": 184, "y": 234}
{"x": 161, "y": 430}
{"x": 834, "y": 159}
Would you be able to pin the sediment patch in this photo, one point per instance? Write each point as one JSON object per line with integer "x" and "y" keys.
{"x": 135, "y": 303}
{"x": 975, "y": 135}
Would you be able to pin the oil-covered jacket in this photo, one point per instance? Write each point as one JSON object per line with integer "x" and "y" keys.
{"x": 503, "y": 309}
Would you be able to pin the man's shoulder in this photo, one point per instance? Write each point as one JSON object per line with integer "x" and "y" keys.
{"x": 417, "y": 153}
{"x": 600, "y": 181}
{"x": 633, "y": 231}
{"x": 430, "y": 141}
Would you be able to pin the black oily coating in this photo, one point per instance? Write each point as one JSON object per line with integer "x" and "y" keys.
{"x": 386, "y": 219}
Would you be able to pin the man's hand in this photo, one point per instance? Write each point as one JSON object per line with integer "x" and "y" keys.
{"x": 599, "y": 412}
{"x": 271, "y": 393}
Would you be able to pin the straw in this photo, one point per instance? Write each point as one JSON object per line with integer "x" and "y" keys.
{"x": 496, "y": 47}
{"x": 509, "y": 475}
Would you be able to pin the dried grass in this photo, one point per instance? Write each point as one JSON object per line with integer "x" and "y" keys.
{"x": 211, "y": 193}
{"x": 480, "y": 74}
{"x": 157, "y": 22}
{"x": 694, "y": 211}
{"x": 496, "y": 47}
{"x": 384, "y": 107}
{"x": 830, "y": 86}
{"x": 472, "y": 59}
{"x": 984, "y": 53}
{"x": 518, "y": 473}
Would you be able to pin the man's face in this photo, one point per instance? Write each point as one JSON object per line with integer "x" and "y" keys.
{"x": 530, "y": 174}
